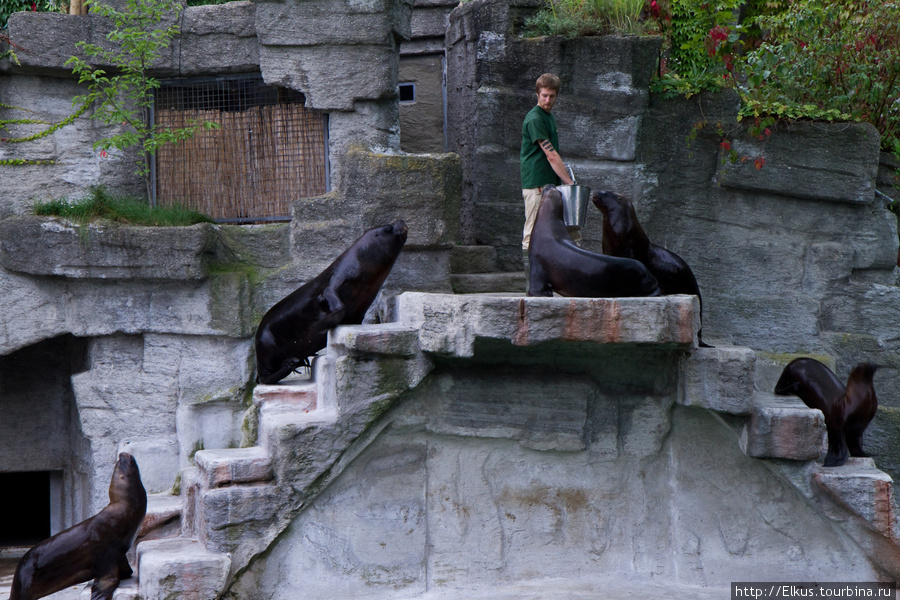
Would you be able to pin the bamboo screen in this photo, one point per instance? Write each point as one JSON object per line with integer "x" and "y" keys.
{"x": 268, "y": 151}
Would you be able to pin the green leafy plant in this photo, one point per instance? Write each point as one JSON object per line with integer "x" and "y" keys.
{"x": 124, "y": 94}
{"x": 101, "y": 205}
{"x": 572, "y": 18}
{"x": 829, "y": 59}
{"x": 8, "y": 7}
{"x": 700, "y": 40}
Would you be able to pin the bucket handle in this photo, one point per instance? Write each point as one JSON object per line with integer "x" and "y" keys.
{"x": 571, "y": 174}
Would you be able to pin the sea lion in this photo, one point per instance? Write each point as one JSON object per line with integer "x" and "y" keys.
{"x": 848, "y": 410}
{"x": 297, "y": 326}
{"x": 93, "y": 549}
{"x": 623, "y": 236}
{"x": 558, "y": 265}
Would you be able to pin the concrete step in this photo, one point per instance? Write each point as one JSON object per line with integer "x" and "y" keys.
{"x": 180, "y": 568}
{"x": 484, "y": 283}
{"x": 473, "y": 259}
{"x": 783, "y": 427}
{"x": 863, "y": 489}
{"x": 294, "y": 394}
{"x": 218, "y": 468}
{"x": 163, "y": 518}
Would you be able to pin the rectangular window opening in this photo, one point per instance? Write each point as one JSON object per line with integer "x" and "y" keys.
{"x": 407, "y": 92}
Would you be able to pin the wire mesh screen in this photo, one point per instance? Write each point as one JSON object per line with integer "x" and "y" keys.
{"x": 268, "y": 151}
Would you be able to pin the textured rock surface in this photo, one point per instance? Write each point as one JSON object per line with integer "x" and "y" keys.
{"x": 50, "y": 246}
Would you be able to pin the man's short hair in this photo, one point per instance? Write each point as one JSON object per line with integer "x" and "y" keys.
{"x": 547, "y": 80}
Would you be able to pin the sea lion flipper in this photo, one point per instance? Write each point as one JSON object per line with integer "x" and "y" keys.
{"x": 332, "y": 301}
{"x": 125, "y": 570}
{"x": 104, "y": 586}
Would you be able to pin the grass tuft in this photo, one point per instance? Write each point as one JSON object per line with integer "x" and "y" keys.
{"x": 101, "y": 205}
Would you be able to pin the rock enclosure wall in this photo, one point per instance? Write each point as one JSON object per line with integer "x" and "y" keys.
{"x": 798, "y": 257}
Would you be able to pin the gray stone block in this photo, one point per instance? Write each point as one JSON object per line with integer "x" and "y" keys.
{"x": 289, "y": 395}
{"x": 332, "y": 22}
{"x": 783, "y": 427}
{"x": 424, "y": 190}
{"x": 504, "y": 283}
{"x": 218, "y": 39}
{"x": 473, "y": 259}
{"x": 157, "y": 460}
{"x": 181, "y": 568}
{"x": 333, "y": 77}
{"x": 450, "y": 324}
{"x": 720, "y": 379}
{"x": 795, "y": 159}
{"x": 233, "y": 515}
{"x": 163, "y": 518}
{"x": 218, "y": 468}
{"x": 52, "y": 246}
{"x": 865, "y": 490}
{"x": 393, "y": 339}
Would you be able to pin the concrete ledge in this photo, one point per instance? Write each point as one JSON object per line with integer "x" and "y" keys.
{"x": 53, "y": 246}
{"x": 181, "y": 569}
{"x": 450, "y": 324}
{"x": 783, "y": 427}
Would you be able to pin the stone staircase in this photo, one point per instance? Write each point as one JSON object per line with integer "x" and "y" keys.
{"x": 473, "y": 270}
{"x": 235, "y": 502}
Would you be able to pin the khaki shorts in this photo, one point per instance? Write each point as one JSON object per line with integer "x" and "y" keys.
{"x": 532, "y": 197}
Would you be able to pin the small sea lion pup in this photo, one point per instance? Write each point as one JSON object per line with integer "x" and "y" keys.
{"x": 623, "y": 236}
{"x": 297, "y": 326}
{"x": 848, "y": 410}
{"x": 93, "y": 549}
{"x": 558, "y": 265}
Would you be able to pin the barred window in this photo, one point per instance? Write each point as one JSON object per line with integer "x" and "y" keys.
{"x": 268, "y": 151}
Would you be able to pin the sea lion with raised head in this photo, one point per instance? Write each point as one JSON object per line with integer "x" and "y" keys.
{"x": 296, "y": 327}
{"x": 848, "y": 410}
{"x": 623, "y": 236}
{"x": 93, "y": 549}
{"x": 558, "y": 265}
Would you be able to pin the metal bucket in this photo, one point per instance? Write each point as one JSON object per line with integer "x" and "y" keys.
{"x": 575, "y": 202}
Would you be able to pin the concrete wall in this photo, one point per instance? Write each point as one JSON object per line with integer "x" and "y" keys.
{"x": 798, "y": 257}
{"x": 578, "y": 473}
{"x": 343, "y": 56}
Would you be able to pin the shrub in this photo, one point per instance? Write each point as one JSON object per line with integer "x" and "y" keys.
{"x": 572, "y": 18}
{"x": 831, "y": 57}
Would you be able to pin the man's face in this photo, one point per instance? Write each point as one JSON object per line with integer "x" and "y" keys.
{"x": 546, "y": 98}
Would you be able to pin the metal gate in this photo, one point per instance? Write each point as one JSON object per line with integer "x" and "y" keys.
{"x": 268, "y": 150}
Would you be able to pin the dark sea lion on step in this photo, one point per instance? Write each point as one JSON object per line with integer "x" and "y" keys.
{"x": 297, "y": 326}
{"x": 93, "y": 549}
{"x": 623, "y": 236}
{"x": 558, "y": 265}
{"x": 848, "y": 410}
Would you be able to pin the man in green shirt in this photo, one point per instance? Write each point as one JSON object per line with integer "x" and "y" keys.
{"x": 541, "y": 164}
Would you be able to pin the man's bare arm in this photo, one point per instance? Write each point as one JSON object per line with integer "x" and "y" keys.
{"x": 555, "y": 161}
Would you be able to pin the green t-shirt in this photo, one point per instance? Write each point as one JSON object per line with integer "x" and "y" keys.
{"x": 536, "y": 169}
